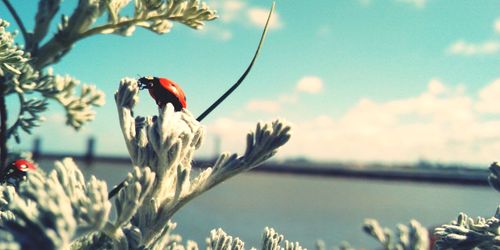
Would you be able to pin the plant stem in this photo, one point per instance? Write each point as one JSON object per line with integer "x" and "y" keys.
{"x": 99, "y": 29}
{"x": 242, "y": 77}
{"x": 3, "y": 126}
{"x": 18, "y": 20}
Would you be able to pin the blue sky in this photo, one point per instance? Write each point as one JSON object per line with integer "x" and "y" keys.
{"x": 360, "y": 80}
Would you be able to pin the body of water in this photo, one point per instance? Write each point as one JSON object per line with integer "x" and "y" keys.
{"x": 305, "y": 209}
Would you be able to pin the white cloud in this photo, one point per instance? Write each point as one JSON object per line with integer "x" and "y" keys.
{"x": 230, "y": 9}
{"x": 488, "y": 47}
{"x": 436, "y": 87}
{"x": 489, "y": 101}
{"x": 324, "y": 31}
{"x": 265, "y": 106}
{"x": 442, "y": 123}
{"x": 288, "y": 98}
{"x": 417, "y": 3}
{"x": 469, "y": 49}
{"x": 365, "y": 3}
{"x": 310, "y": 84}
{"x": 307, "y": 84}
{"x": 258, "y": 17}
{"x": 241, "y": 13}
{"x": 217, "y": 32}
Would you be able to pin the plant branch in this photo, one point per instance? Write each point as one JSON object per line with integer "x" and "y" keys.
{"x": 100, "y": 29}
{"x": 18, "y": 20}
{"x": 57, "y": 46}
{"x": 47, "y": 10}
{"x": 3, "y": 126}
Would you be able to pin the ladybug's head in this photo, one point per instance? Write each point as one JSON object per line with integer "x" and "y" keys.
{"x": 146, "y": 82}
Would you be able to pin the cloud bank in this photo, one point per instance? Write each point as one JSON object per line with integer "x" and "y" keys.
{"x": 462, "y": 47}
{"x": 308, "y": 84}
{"x": 442, "y": 123}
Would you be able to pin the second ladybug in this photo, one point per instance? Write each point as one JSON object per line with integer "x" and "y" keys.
{"x": 17, "y": 171}
{"x": 164, "y": 91}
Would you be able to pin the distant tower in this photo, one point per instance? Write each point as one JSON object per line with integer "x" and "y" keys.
{"x": 37, "y": 148}
{"x": 217, "y": 146}
{"x": 89, "y": 155}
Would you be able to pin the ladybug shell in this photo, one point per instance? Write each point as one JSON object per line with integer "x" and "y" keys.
{"x": 23, "y": 165}
{"x": 166, "y": 91}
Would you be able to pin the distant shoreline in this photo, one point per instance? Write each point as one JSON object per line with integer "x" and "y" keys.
{"x": 439, "y": 174}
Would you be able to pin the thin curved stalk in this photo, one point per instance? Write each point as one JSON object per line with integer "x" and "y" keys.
{"x": 243, "y": 76}
{"x": 18, "y": 20}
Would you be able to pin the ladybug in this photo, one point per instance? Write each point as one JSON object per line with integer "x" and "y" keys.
{"x": 23, "y": 166}
{"x": 164, "y": 91}
{"x": 17, "y": 171}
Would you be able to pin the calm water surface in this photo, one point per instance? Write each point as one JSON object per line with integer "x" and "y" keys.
{"x": 305, "y": 209}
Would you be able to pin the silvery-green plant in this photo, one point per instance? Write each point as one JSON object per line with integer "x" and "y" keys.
{"x": 470, "y": 233}
{"x": 166, "y": 144}
{"x": 494, "y": 176}
{"x": 272, "y": 240}
{"x": 12, "y": 58}
{"x": 219, "y": 239}
{"x": 62, "y": 89}
{"x": 49, "y": 211}
{"x": 63, "y": 210}
{"x": 406, "y": 237}
{"x": 13, "y": 62}
{"x": 19, "y": 77}
{"x": 154, "y": 15}
{"x": 412, "y": 236}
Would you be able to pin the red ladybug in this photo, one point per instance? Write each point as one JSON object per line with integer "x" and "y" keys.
{"x": 23, "y": 165}
{"x": 164, "y": 91}
{"x": 17, "y": 171}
